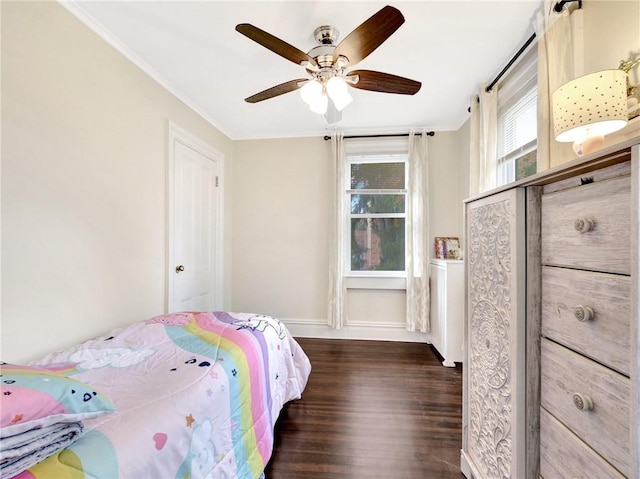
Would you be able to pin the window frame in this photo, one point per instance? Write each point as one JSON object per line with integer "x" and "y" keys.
{"x": 385, "y": 153}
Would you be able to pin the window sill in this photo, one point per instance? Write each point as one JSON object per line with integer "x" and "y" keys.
{"x": 369, "y": 282}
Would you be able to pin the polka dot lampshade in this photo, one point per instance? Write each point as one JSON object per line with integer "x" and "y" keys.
{"x": 594, "y": 104}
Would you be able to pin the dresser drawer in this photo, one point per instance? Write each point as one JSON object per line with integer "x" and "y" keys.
{"x": 563, "y": 455}
{"x": 588, "y": 227}
{"x": 568, "y": 298}
{"x": 605, "y": 428}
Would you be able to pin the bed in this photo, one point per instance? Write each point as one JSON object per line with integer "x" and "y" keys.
{"x": 183, "y": 395}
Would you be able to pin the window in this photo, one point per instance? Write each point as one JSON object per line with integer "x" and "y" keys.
{"x": 376, "y": 196}
{"x": 517, "y": 138}
{"x": 517, "y": 128}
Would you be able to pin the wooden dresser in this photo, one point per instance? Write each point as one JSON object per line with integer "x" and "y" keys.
{"x": 551, "y": 330}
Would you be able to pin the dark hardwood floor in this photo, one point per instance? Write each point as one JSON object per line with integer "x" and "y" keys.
{"x": 372, "y": 409}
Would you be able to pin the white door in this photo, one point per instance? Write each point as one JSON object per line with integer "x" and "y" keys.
{"x": 193, "y": 225}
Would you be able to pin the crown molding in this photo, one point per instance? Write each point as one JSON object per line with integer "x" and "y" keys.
{"x": 104, "y": 33}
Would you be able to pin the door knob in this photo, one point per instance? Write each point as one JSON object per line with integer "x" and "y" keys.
{"x": 179, "y": 268}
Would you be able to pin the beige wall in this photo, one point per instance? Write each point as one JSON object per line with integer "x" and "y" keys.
{"x": 83, "y": 183}
{"x": 281, "y": 208}
{"x": 612, "y": 33}
{"x": 448, "y": 185}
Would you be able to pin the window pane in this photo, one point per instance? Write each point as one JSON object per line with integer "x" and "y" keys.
{"x": 377, "y": 244}
{"x": 526, "y": 165}
{"x": 518, "y": 168}
{"x": 506, "y": 172}
{"x": 363, "y": 204}
{"x": 379, "y": 176}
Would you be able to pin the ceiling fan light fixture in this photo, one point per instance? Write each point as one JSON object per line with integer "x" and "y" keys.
{"x": 310, "y": 91}
{"x": 313, "y": 94}
{"x": 319, "y": 104}
{"x": 338, "y": 92}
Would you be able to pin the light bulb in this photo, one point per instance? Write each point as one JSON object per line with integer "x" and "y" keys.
{"x": 338, "y": 91}
{"x": 311, "y": 91}
{"x": 319, "y": 104}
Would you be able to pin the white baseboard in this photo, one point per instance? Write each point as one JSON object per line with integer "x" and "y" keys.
{"x": 369, "y": 331}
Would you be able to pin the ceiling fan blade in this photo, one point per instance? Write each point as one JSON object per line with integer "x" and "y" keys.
{"x": 369, "y": 35}
{"x": 276, "y": 90}
{"x": 274, "y": 44}
{"x": 384, "y": 82}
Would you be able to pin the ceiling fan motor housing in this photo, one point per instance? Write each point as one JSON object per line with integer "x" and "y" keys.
{"x": 323, "y": 55}
{"x": 326, "y": 35}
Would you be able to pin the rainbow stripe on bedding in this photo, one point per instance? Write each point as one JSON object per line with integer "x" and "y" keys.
{"x": 197, "y": 395}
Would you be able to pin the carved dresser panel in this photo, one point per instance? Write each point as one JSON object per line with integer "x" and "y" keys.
{"x": 494, "y": 373}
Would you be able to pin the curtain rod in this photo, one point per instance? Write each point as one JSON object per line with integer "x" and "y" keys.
{"x": 328, "y": 137}
{"x": 556, "y": 8}
{"x": 511, "y": 62}
{"x": 560, "y": 5}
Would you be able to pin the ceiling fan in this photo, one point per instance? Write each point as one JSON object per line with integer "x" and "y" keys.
{"x": 327, "y": 64}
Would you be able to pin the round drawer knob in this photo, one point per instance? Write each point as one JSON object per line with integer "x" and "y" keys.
{"x": 582, "y": 402}
{"x": 584, "y": 313}
{"x": 584, "y": 225}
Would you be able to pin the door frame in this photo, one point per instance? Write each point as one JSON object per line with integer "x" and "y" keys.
{"x": 176, "y": 134}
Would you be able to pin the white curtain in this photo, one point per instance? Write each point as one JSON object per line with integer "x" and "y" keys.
{"x": 337, "y": 290}
{"x": 417, "y": 255}
{"x": 484, "y": 118}
{"x": 560, "y": 59}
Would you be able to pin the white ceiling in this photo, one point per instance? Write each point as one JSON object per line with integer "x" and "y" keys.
{"x": 192, "y": 48}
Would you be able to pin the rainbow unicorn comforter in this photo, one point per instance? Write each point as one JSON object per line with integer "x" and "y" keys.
{"x": 197, "y": 395}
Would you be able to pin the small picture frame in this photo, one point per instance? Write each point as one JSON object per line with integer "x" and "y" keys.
{"x": 447, "y": 247}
